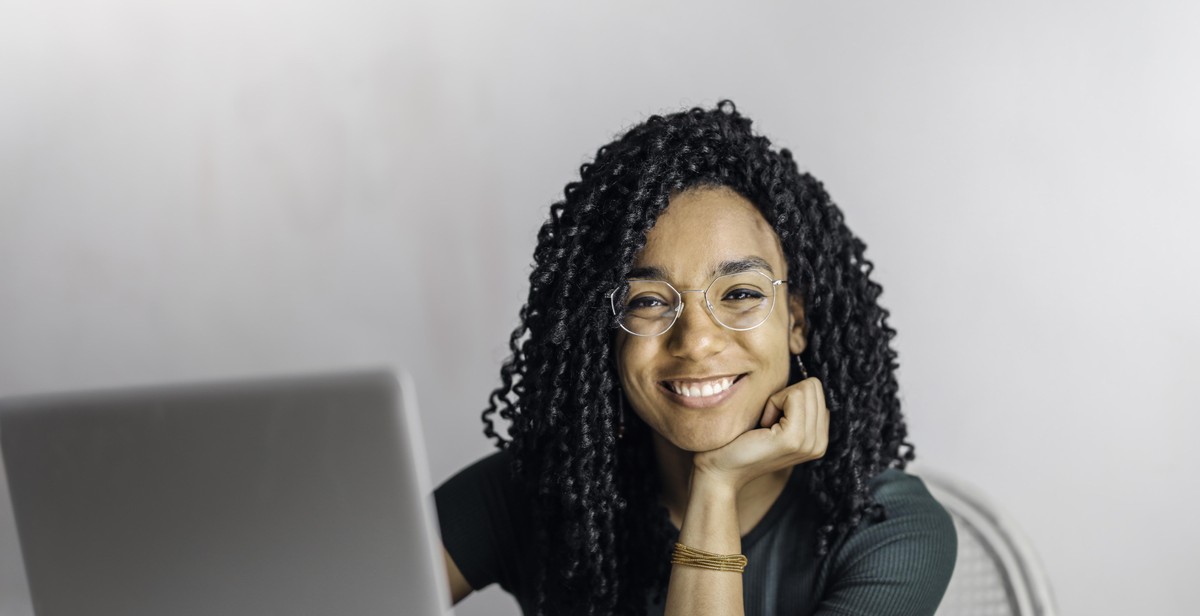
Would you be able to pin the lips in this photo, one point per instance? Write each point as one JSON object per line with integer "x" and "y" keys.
{"x": 701, "y": 393}
{"x": 695, "y": 389}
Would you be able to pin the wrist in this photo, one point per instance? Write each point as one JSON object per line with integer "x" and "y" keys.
{"x": 710, "y": 521}
{"x": 710, "y": 484}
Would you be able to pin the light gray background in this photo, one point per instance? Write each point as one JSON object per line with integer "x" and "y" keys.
{"x": 235, "y": 187}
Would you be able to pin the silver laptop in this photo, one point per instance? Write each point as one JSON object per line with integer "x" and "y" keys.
{"x": 288, "y": 496}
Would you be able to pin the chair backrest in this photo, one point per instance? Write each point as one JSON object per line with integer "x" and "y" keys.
{"x": 997, "y": 572}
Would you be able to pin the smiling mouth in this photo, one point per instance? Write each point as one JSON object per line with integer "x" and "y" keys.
{"x": 703, "y": 388}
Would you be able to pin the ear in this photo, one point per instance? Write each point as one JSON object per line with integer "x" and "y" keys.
{"x": 796, "y": 334}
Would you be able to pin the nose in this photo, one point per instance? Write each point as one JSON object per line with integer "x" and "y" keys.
{"x": 695, "y": 335}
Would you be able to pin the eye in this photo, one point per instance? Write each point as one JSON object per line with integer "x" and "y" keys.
{"x": 743, "y": 294}
{"x": 644, "y": 302}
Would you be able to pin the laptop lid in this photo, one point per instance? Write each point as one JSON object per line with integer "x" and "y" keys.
{"x": 301, "y": 495}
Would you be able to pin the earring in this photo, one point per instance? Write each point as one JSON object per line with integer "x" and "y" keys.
{"x": 800, "y": 365}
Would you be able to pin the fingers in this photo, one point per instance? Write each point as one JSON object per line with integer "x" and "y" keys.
{"x": 771, "y": 413}
{"x": 812, "y": 411}
{"x": 778, "y": 398}
{"x": 822, "y": 423}
{"x": 803, "y": 418}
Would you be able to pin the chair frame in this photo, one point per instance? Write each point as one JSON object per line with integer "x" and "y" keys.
{"x": 1025, "y": 581}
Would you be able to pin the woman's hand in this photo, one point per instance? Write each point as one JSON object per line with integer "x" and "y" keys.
{"x": 794, "y": 429}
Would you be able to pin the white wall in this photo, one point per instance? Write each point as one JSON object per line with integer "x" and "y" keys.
{"x": 261, "y": 186}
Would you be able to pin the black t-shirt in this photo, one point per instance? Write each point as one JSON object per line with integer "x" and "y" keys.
{"x": 898, "y": 565}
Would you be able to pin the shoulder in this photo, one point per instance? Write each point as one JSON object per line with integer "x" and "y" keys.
{"x": 904, "y": 497}
{"x": 495, "y": 466}
{"x": 486, "y": 522}
{"x": 907, "y": 554}
{"x": 913, "y": 522}
{"x": 484, "y": 485}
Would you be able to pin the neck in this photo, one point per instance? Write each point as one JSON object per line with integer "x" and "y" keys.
{"x": 675, "y": 476}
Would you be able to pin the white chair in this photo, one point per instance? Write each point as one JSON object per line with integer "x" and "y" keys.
{"x": 997, "y": 572}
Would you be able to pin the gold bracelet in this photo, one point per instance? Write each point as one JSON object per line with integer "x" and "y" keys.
{"x": 692, "y": 557}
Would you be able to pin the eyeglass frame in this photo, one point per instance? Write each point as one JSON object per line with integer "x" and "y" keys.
{"x": 707, "y": 304}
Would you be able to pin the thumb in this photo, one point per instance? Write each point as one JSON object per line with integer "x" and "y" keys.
{"x": 771, "y": 412}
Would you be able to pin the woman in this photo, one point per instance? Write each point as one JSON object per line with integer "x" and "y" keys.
{"x": 702, "y": 402}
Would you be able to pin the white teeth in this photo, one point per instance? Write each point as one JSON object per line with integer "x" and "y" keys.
{"x": 705, "y": 389}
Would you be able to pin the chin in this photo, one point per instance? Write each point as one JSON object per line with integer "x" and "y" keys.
{"x": 709, "y": 446}
{"x": 708, "y": 441}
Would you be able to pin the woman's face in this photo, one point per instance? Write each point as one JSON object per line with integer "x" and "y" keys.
{"x": 700, "y": 230}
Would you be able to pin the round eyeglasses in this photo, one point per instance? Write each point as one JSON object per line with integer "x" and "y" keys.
{"x": 740, "y": 302}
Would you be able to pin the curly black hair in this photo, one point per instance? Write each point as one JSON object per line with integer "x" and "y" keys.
{"x": 604, "y": 538}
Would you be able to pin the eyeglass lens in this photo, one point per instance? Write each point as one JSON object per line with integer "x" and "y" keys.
{"x": 737, "y": 301}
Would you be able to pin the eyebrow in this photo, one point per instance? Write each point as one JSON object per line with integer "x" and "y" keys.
{"x": 733, "y": 266}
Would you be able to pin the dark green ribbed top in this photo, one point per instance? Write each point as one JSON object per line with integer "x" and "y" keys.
{"x": 897, "y": 566}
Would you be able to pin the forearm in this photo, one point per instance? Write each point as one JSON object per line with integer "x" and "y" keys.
{"x": 710, "y": 524}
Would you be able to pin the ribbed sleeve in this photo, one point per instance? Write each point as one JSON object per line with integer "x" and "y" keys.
{"x": 900, "y": 565}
